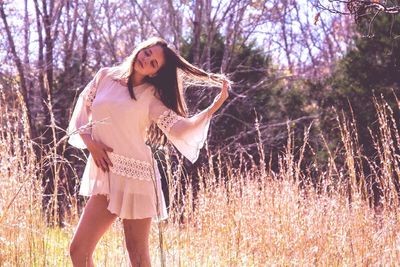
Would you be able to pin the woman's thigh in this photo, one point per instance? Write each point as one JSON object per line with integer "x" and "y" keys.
{"x": 94, "y": 222}
{"x": 137, "y": 233}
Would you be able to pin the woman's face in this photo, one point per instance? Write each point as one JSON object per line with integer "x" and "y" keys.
{"x": 149, "y": 60}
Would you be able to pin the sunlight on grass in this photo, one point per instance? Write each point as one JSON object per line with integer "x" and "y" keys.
{"x": 246, "y": 215}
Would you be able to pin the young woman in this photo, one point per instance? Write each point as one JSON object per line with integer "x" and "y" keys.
{"x": 117, "y": 112}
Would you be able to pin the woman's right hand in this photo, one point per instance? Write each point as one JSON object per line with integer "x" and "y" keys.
{"x": 224, "y": 90}
{"x": 219, "y": 99}
{"x": 99, "y": 151}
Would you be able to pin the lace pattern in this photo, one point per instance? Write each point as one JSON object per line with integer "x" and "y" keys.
{"x": 131, "y": 168}
{"x": 167, "y": 119}
{"x": 91, "y": 94}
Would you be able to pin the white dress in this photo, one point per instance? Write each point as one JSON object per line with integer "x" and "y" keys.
{"x": 106, "y": 111}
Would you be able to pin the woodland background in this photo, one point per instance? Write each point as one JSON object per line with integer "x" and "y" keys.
{"x": 306, "y": 74}
{"x": 294, "y": 64}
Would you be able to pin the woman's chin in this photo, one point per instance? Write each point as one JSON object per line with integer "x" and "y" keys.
{"x": 138, "y": 71}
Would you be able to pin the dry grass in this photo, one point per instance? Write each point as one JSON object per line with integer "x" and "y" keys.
{"x": 248, "y": 217}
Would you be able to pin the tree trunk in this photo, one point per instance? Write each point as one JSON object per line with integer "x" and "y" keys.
{"x": 26, "y": 34}
{"x": 85, "y": 39}
{"x": 19, "y": 65}
{"x": 287, "y": 46}
{"x": 40, "y": 66}
{"x": 174, "y": 21}
{"x": 198, "y": 10}
{"x": 48, "y": 41}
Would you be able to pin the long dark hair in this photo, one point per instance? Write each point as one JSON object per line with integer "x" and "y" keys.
{"x": 167, "y": 81}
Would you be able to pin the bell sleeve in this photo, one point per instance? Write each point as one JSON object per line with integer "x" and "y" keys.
{"x": 188, "y": 135}
{"x": 80, "y": 122}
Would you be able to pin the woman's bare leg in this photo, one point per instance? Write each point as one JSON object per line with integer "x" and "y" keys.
{"x": 93, "y": 223}
{"x": 137, "y": 241}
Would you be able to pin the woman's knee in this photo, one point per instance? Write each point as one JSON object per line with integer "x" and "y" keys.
{"x": 135, "y": 246}
{"x": 79, "y": 252}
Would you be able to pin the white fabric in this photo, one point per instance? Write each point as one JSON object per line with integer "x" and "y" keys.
{"x": 80, "y": 119}
{"x": 188, "y": 135}
{"x": 116, "y": 120}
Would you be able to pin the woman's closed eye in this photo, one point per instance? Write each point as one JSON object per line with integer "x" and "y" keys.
{"x": 148, "y": 53}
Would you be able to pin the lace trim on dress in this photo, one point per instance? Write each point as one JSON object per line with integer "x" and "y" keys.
{"x": 91, "y": 94}
{"x": 130, "y": 167}
{"x": 167, "y": 119}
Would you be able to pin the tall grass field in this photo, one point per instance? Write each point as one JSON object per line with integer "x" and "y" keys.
{"x": 242, "y": 214}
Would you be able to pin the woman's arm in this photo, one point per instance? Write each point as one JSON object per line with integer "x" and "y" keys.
{"x": 182, "y": 126}
{"x": 187, "y": 134}
{"x": 219, "y": 99}
{"x": 80, "y": 127}
{"x": 80, "y": 122}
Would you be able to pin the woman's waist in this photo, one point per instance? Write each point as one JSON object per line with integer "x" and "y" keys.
{"x": 131, "y": 166}
{"x": 126, "y": 144}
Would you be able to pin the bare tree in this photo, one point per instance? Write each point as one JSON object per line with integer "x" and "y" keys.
{"x": 175, "y": 20}
{"x": 359, "y": 8}
{"x": 197, "y": 22}
{"x": 88, "y": 8}
{"x": 17, "y": 61}
{"x": 73, "y": 39}
{"x": 50, "y": 14}
{"x": 26, "y": 33}
{"x": 362, "y": 9}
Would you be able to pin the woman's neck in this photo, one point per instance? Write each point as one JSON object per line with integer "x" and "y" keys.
{"x": 137, "y": 79}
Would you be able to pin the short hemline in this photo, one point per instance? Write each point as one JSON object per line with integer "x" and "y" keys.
{"x": 154, "y": 217}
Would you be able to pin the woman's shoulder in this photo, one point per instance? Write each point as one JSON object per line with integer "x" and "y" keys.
{"x": 103, "y": 72}
{"x": 101, "y": 75}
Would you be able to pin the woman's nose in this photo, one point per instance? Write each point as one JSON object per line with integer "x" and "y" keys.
{"x": 146, "y": 59}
